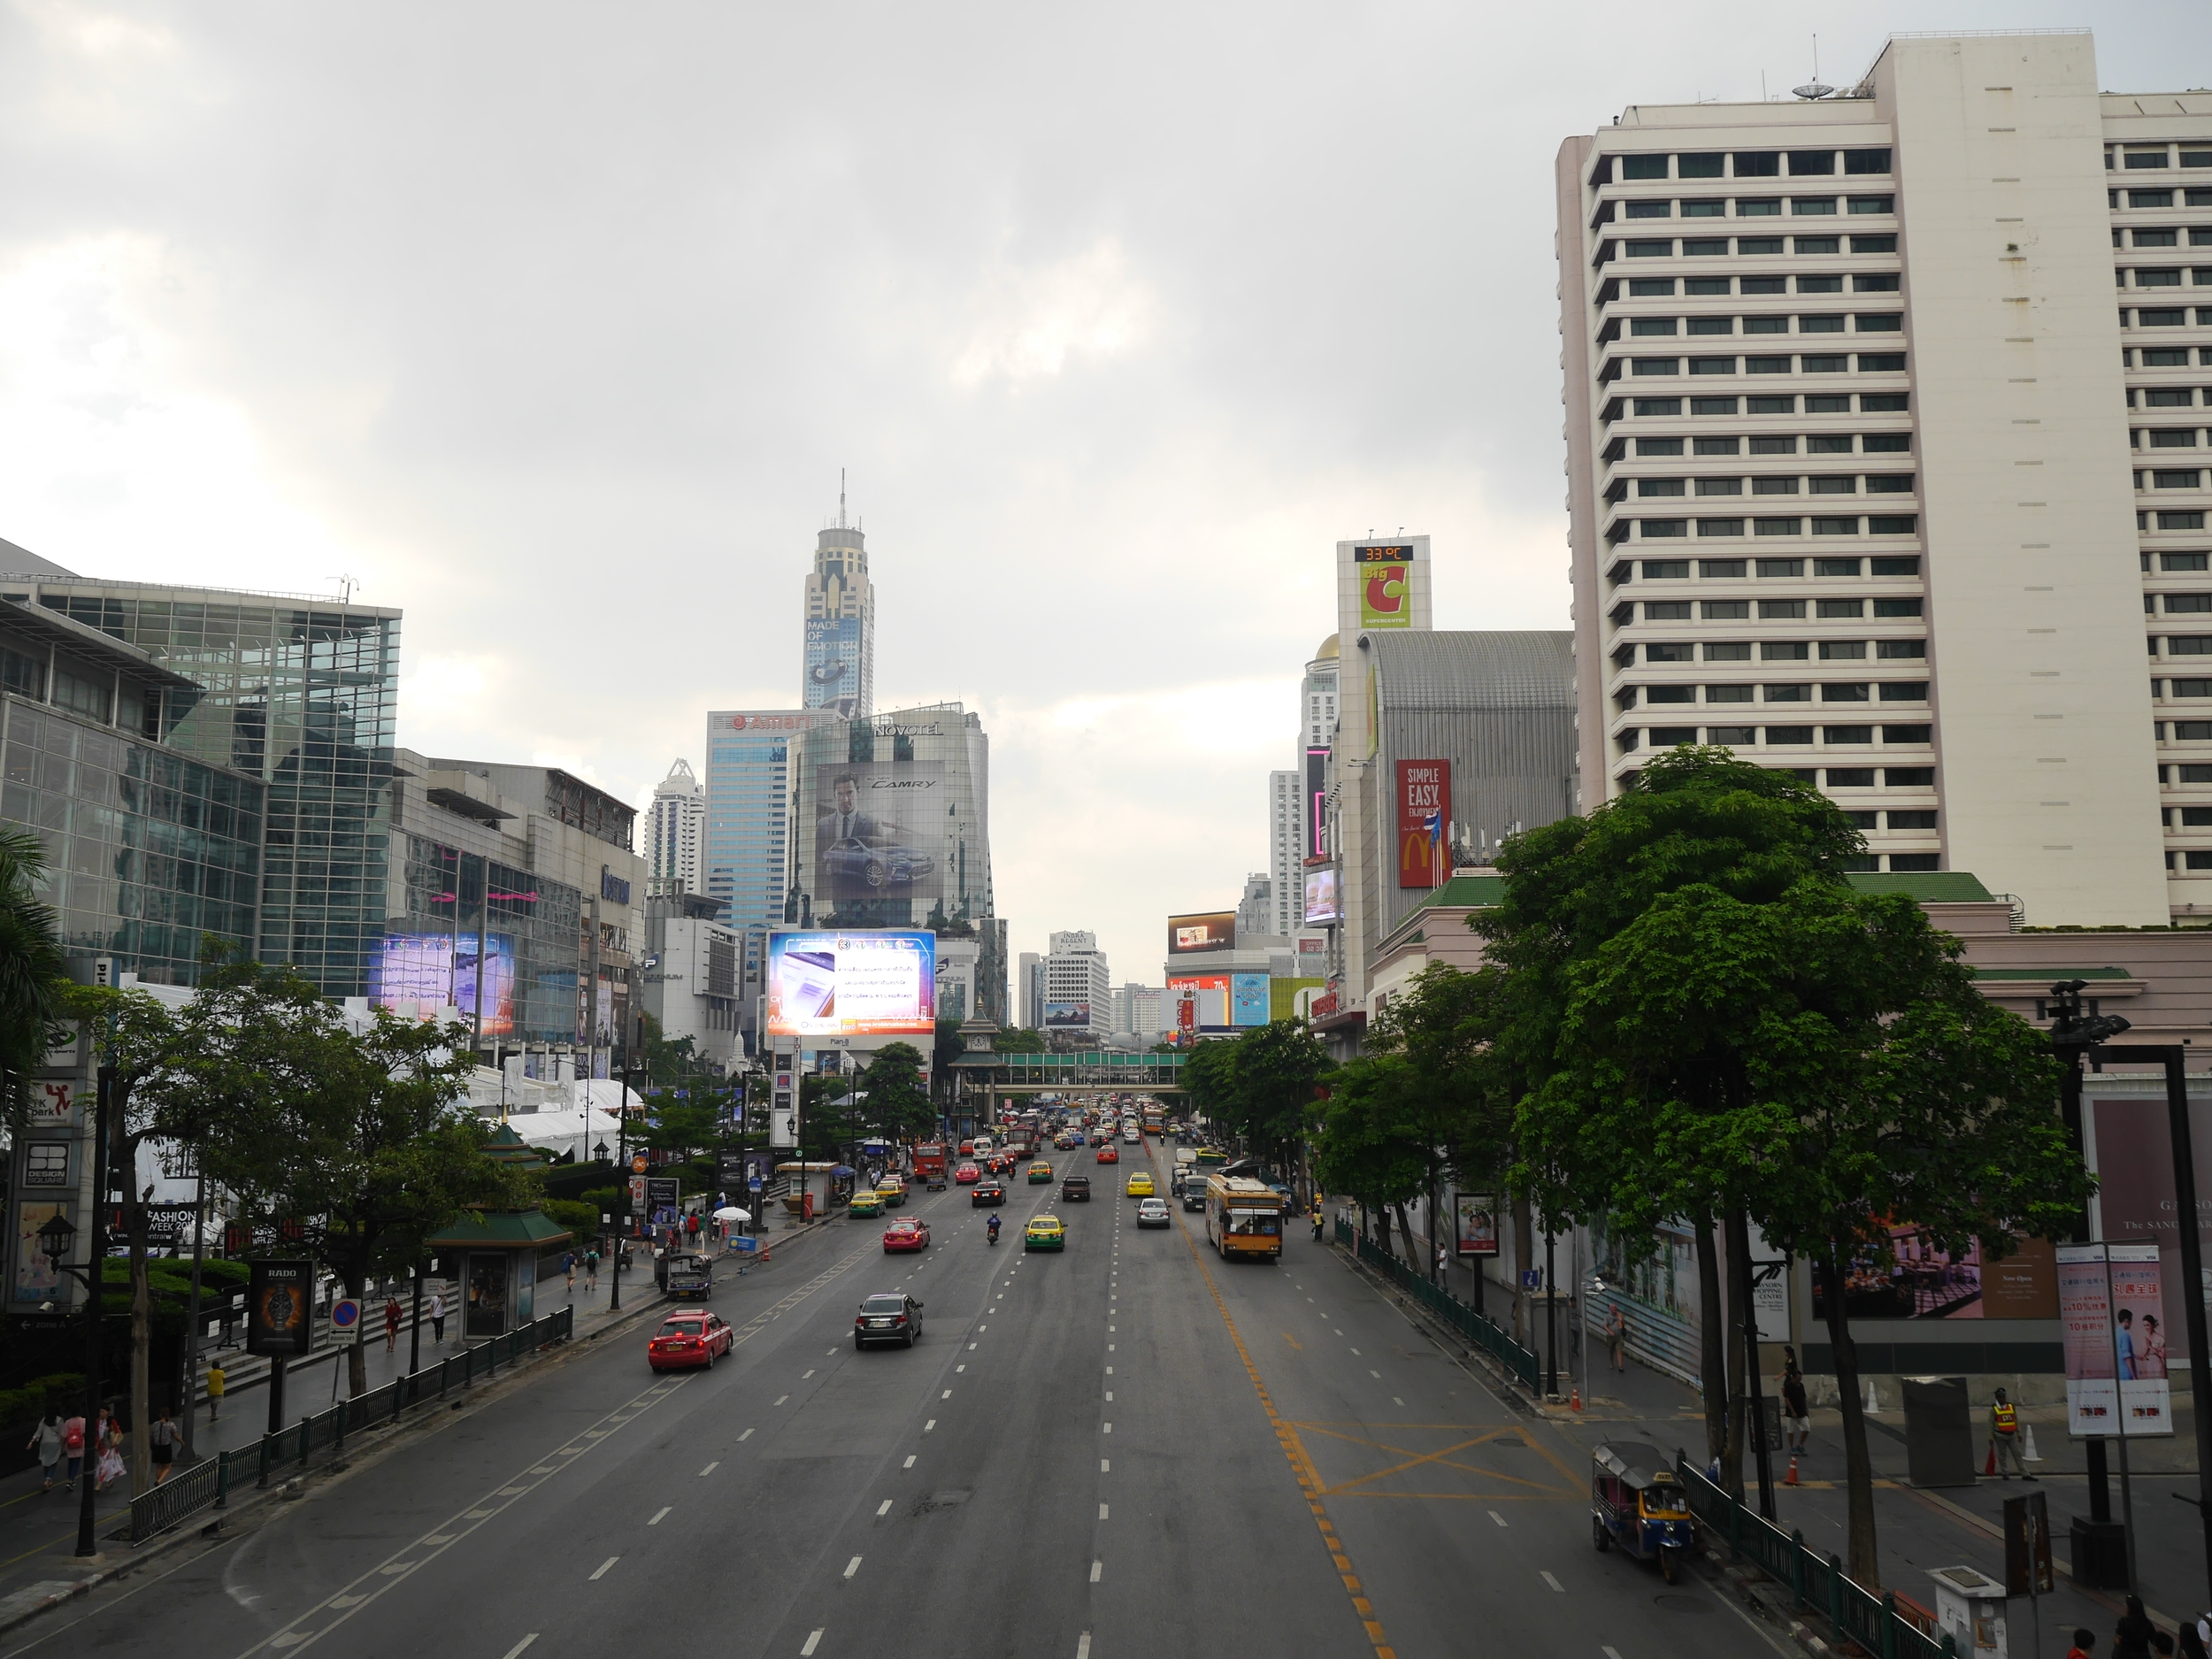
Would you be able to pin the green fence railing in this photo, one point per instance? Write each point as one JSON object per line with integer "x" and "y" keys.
{"x": 210, "y": 1480}
{"x": 1477, "y": 1328}
{"x": 1886, "y": 1626}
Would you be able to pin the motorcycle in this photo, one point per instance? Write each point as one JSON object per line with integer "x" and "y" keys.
{"x": 990, "y": 1229}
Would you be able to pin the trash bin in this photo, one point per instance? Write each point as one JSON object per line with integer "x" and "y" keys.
{"x": 1939, "y": 1432}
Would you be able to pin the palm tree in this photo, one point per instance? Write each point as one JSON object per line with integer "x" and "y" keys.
{"x": 32, "y": 970}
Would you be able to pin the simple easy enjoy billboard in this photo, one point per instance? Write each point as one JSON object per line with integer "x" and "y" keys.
{"x": 1425, "y": 805}
{"x": 856, "y": 983}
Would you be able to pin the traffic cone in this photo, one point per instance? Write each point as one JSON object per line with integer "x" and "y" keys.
{"x": 1574, "y": 1400}
{"x": 2031, "y": 1455}
{"x": 1989, "y": 1464}
{"x": 1791, "y": 1478}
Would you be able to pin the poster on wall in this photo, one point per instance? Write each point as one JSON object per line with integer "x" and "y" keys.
{"x": 1905, "y": 1276}
{"x": 436, "y": 970}
{"x": 879, "y": 852}
{"x": 1321, "y": 901}
{"x": 1208, "y": 994}
{"x": 2130, "y": 1145}
{"x": 1386, "y": 586}
{"x": 852, "y": 983}
{"x": 1068, "y": 1016}
{"x": 1425, "y": 806}
{"x": 2111, "y": 1310}
{"x": 1475, "y": 1223}
{"x": 833, "y": 664}
{"x": 36, "y": 1277}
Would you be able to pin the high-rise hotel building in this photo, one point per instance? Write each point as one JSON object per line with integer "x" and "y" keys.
{"x": 839, "y": 669}
{"x": 1886, "y": 428}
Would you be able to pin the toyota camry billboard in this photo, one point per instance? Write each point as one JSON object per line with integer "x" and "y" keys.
{"x": 852, "y": 983}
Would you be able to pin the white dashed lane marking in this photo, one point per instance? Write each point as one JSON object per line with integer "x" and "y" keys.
{"x": 852, "y": 1566}
{"x": 602, "y": 1567}
{"x": 813, "y": 1640}
{"x": 655, "y": 1521}
{"x": 1554, "y": 1583}
{"x": 883, "y": 1509}
{"x": 1500, "y": 1519}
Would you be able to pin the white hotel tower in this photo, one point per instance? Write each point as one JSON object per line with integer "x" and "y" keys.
{"x": 1886, "y": 431}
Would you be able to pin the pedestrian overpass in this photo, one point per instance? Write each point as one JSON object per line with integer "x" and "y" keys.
{"x": 1099, "y": 1071}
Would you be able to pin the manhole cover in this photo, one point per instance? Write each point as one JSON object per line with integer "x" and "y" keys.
{"x": 1674, "y": 1603}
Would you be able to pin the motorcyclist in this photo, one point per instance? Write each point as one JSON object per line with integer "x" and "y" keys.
{"x": 991, "y": 1227}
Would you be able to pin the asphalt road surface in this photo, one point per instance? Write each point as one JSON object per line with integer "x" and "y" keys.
{"x": 1132, "y": 1447}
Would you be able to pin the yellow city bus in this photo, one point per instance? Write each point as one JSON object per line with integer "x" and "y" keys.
{"x": 1243, "y": 1217}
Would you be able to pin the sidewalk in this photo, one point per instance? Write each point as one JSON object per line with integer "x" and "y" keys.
{"x": 1917, "y": 1531}
{"x": 38, "y": 1530}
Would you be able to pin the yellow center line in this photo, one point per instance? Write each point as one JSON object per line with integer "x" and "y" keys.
{"x": 1301, "y": 1465}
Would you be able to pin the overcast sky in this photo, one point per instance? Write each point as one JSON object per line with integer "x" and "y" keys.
{"x": 553, "y": 325}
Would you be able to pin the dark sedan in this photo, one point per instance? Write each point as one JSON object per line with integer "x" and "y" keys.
{"x": 989, "y": 1192}
{"x": 1076, "y": 1189}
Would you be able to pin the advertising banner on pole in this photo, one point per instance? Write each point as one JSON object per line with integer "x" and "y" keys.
{"x": 2111, "y": 1319}
{"x": 1475, "y": 1223}
{"x": 1424, "y": 801}
{"x": 279, "y": 1295}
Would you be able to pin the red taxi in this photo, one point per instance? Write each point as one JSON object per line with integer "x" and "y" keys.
{"x": 1109, "y": 1153}
{"x": 689, "y": 1339}
{"x": 908, "y": 1232}
{"x": 967, "y": 1175}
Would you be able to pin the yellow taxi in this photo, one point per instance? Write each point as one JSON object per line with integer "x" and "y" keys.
{"x": 1140, "y": 1185}
{"x": 1039, "y": 1171}
{"x": 867, "y": 1202}
{"x": 1044, "y": 1232}
{"x": 891, "y": 1189}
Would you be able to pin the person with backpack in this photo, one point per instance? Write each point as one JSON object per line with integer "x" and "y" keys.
{"x": 73, "y": 1448}
{"x": 46, "y": 1439}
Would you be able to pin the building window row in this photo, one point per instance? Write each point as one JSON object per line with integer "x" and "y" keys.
{"x": 1666, "y": 327}
{"x": 2167, "y": 398}
{"x": 1743, "y": 163}
{"x": 1678, "y": 570}
{"x": 1773, "y": 610}
{"x": 2170, "y": 276}
{"x": 2165, "y": 317}
{"x": 1799, "y": 691}
{"x": 2194, "y": 153}
{"x": 1703, "y": 286}
{"x": 1720, "y": 247}
{"x": 2143, "y": 199}
{"x": 1837, "y": 363}
{"x": 1774, "y": 484}
{"x": 1787, "y": 403}
{"x": 2162, "y": 357}
{"x": 1782, "y": 651}
{"x": 2163, "y": 235}
{"x": 1873, "y": 524}
{"x": 1768, "y": 443}
{"x": 1745, "y": 207}
{"x": 2171, "y": 477}
{"x": 1782, "y": 736}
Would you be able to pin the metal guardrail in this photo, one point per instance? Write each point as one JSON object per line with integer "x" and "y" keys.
{"x": 212, "y": 1479}
{"x": 1877, "y": 1624}
{"x": 1477, "y": 1328}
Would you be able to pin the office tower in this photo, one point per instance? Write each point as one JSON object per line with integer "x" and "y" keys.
{"x": 1285, "y": 858}
{"x": 1078, "y": 990}
{"x": 840, "y": 622}
{"x": 1137, "y": 1011}
{"x": 297, "y": 691}
{"x": 890, "y": 821}
{"x": 1255, "y": 910}
{"x": 746, "y": 847}
{"x": 990, "y": 971}
{"x": 1316, "y": 726}
{"x": 1884, "y": 427}
{"x": 1382, "y": 588}
{"x": 675, "y": 832}
{"x": 1031, "y": 971}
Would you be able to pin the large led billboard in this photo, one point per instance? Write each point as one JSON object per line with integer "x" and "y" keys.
{"x": 878, "y": 838}
{"x": 1247, "y": 999}
{"x": 1067, "y": 1015}
{"x": 435, "y": 971}
{"x": 856, "y": 983}
{"x": 1322, "y": 905}
{"x": 1209, "y": 993}
{"x": 1215, "y": 929}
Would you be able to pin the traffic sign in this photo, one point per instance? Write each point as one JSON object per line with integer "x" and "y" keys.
{"x": 345, "y": 1315}
{"x": 638, "y": 1164}
{"x": 1531, "y": 1278}
{"x": 753, "y": 1182}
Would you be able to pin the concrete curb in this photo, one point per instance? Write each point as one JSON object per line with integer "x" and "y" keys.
{"x": 27, "y": 1604}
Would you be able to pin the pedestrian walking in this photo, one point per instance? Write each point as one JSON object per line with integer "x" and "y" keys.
{"x": 163, "y": 1438}
{"x": 391, "y": 1323}
{"x": 2131, "y": 1636}
{"x": 1794, "y": 1412}
{"x": 2004, "y": 1437}
{"x": 107, "y": 1450}
{"x": 591, "y": 1270}
{"x": 437, "y": 1318}
{"x": 568, "y": 1266}
{"x": 2187, "y": 1641}
{"x": 2085, "y": 1645}
{"x": 73, "y": 1448}
{"x": 46, "y": 1440}
{"x": 1616, "y": 1338}
{"x": 1443, "y": 1260}
{"x": 217, "y": 1381}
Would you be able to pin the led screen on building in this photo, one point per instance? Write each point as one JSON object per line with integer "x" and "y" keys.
{"x": 859, "y": 983}
{"x": 1216, "y": 930}
{"x": 1067, "y": 1015}
{"x": 1247, "y": 999}
{"x": 435, "y": 970}
{"x": 1208, "y": 994}
{"x": 1321, "y": 900}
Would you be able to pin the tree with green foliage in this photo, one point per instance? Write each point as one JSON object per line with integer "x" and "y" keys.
{"x": 897, "y": 1106}
{"x": 1721, "y": 1027}
{"x": 1019, "y": 1040}
{"x": 33, "y": 973}
{"x": 1367, "y": 1146}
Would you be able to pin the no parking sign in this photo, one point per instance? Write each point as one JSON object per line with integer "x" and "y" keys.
{"x": 345, "y": 1315}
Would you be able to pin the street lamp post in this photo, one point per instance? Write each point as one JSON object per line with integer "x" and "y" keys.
{"x": 54, "y": 1239}
{"x": 622, "y": 1169}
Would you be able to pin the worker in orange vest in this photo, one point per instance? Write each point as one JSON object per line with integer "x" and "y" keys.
{"x": 2004, "y": 1437}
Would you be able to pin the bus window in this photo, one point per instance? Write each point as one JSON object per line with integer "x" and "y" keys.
{"x": 1253, "y": 1222}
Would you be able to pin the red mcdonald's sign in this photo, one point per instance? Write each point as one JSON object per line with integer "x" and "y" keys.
{"x": 1425, "y": 808}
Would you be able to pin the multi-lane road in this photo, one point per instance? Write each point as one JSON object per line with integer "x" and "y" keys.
{"x": 1129, "y": 1449}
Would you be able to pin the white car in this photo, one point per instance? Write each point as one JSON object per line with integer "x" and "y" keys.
{"x": 1152, "y": 1212}
{"x": 1130, "y": 1137}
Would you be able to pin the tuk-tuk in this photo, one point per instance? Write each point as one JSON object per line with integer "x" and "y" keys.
{"x": 686, "y": 1277}
{"x": 1637, "y": 1500}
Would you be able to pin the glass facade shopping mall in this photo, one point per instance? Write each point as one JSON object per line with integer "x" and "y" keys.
{"x": 297, "y": 694}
